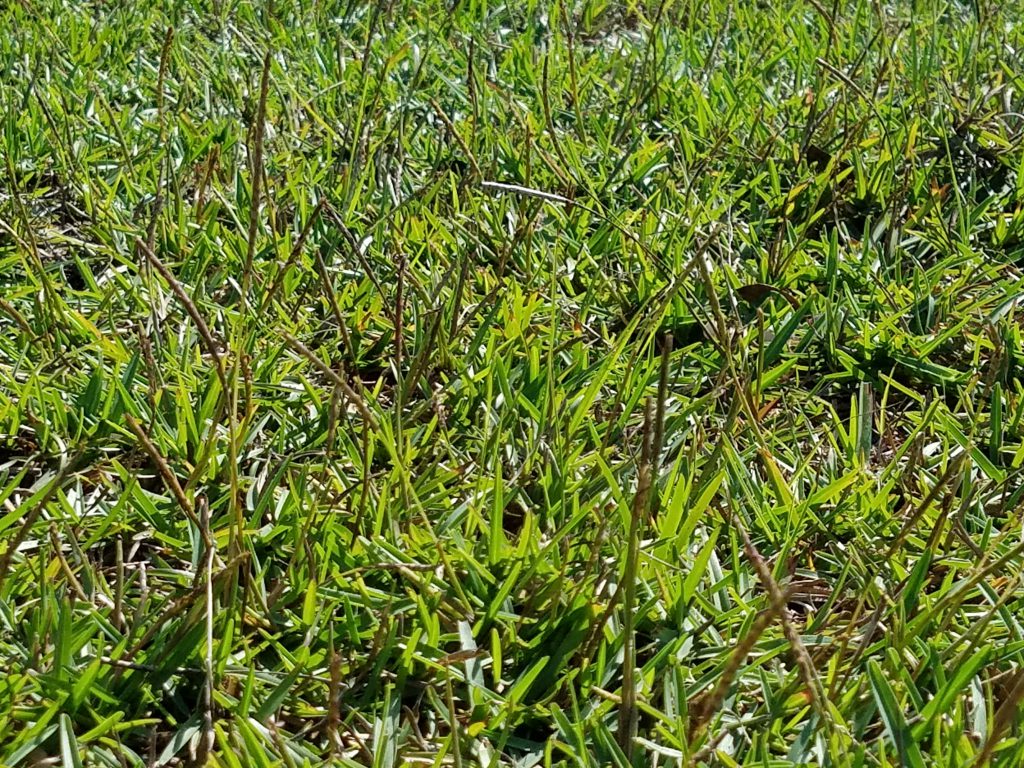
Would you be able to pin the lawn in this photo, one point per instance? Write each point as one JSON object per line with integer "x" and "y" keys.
{"x": 542, "y": 383}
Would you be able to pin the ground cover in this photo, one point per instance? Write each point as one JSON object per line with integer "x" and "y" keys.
{"x": 488, "y": 384}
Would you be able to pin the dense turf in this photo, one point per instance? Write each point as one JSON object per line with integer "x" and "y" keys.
{"x": 575, "y": 383}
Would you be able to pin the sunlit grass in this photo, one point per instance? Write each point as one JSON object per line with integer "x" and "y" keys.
{"x": 389, "y": 384}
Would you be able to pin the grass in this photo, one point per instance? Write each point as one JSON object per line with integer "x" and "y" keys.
{"x": 481, "y": 384}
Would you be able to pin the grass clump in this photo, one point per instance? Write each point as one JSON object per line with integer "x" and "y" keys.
{"x": 512, "y": 384}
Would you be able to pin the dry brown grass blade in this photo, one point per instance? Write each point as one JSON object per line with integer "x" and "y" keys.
{"x": 778, "y": 600}
{"x": 209, "y": 342}
{"x": 628, "y": 713}
{"x": 33, "y": 515}
{"x": 278, "y": 281}
{"x": 256, "y": 155}
{"x": 169, "y": 478}
{"x": 703, "y": 707}
{"x": 339, "y": 382}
